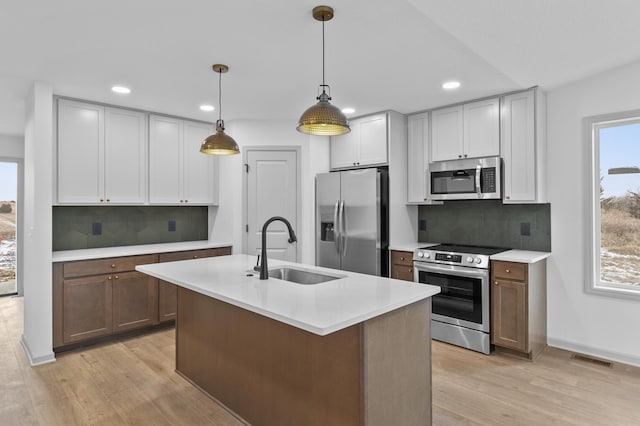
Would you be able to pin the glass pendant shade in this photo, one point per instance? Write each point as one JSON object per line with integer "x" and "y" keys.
{"x": 219, "y": 143}
{"x": 323, "y": 119}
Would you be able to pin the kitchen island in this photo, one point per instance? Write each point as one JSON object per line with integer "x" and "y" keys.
{"x": 353, "y": 350}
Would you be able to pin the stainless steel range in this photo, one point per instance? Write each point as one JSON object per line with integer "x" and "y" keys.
{"x": 460, "y": 312}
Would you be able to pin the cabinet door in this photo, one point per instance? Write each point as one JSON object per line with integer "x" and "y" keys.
{"x": 373, "y": 140}
{"x": 125, "y": 155}
{"x": 165, "y": 160}
{"x": 80, "y": 152}
{"x": 518, "y": 147}
{"x": 417, "y": 157}
{"x": 345, "y": 149}
{"x": 509, "y": 314}
{"x": 482, "y": 129}
{"x": 87, "y": 308}
{"x": 200, "y": 177}
{"x": 135, "y": 301}
{"x": 447, "y": 134}
{"x": 167, "y": 301}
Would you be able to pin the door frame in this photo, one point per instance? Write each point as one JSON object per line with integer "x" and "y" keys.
{"x": 19, "y": 221}
{"x": 245, "y": 189}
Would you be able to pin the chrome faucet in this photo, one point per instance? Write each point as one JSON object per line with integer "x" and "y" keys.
{"x": 264, "y": 272}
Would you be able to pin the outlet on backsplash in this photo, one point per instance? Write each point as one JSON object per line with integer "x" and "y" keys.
{"x": 525, "y": 229}
{"x": 172, "y": 226}
{"x": 96, "y": 229}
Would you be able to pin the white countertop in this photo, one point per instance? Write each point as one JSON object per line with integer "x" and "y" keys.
{"x": 98, "y": 253}
{"x": 409, "y": 246}
{"x": 319, "y": 308}
{"x": 522, "y": 256}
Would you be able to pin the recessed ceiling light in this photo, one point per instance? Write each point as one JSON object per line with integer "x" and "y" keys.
{"x": 207, "y": 108}
{"x": 121, "y": 89}
{"x": 451, "y": 85}
{"x": 348, "y": 110}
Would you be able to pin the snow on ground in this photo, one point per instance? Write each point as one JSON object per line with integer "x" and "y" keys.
{"x": 619, "y": 268}
{"x": 7, "y": 260}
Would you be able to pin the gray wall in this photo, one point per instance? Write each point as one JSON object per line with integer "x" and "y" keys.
{"x": 126, "y": 225}
{"x": 486, "y": 223}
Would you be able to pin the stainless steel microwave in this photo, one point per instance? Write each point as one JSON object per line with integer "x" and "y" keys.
{"x": 467, "y": 179}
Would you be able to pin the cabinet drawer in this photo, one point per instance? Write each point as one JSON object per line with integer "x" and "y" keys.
{"x": 402, "y": 258}
{"x": 509, "y": 270}
{"x": 402, "y": 272}
{"x": 83, "y": 268}
{"x": 194, "y": 254}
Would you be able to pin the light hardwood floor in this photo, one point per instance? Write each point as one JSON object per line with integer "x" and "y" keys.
{"x": 132, "y": 382}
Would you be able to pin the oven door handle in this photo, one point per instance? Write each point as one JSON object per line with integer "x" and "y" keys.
{"x": 454, "y": 270}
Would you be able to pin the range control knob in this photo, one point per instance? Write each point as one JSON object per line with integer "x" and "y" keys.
{"x": 420, "y": 254}
{"x": 478, "y": 260}
{"x": 427, "y": 255}
{"x": 470, "y": 259}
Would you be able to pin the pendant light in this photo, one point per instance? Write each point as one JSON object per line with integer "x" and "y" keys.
{"x": 220, "y": 143}
{"x": 323, "y": 118}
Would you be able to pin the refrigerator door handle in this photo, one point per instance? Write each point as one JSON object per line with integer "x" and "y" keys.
{"x": 343, "y": 230}
{"x": 336, "y": 227}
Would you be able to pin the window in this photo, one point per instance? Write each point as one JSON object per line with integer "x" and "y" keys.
{"x": 615, "y": 205}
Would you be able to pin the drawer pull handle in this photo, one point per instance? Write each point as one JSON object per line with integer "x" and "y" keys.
{"x": 113, "y": 265}
{"x": 507, "y": 271}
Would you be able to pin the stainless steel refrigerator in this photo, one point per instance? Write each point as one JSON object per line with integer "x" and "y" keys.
{"x": 352, "y": 221}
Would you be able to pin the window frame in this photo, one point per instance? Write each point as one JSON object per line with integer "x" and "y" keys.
{"x": 592, "y": 127}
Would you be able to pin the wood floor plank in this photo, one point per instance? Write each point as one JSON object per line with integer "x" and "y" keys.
{"x": 133, "y": 382}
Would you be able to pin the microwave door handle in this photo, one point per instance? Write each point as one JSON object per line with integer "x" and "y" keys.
{"x": 478, "y": 188}
{"x": 336, "y": 227}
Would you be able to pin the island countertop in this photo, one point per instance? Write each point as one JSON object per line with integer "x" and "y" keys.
{"x": 318, "y": 308}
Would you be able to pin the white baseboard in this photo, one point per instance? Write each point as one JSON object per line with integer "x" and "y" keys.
{"x": 39, "y": 360}
{"x": 596, "y": 352}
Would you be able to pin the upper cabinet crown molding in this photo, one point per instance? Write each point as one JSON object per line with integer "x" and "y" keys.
{"x": 466, "y": 131}
{"x": 101, "y": 154}
{"x": 365, "y": 145}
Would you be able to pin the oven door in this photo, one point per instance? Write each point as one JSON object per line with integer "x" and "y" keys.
{"x": 464, "y": 294}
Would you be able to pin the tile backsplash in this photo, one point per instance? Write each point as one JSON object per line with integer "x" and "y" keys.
{"x": 110, "y": 226}
{"x": 487, "y": 223}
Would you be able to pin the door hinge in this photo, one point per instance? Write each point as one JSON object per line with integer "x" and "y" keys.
{"x": 246, "y": 167}
{"x": 246, "y": 228}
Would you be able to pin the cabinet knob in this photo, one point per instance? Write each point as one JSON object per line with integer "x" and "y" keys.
{"x": 113, "y": 265}
{"x": 495, "y": 283}
{"x": 401, "y": 258}
{"x": 459, "y": 156}
{"x": 465, "y": 156}
{"x": 424, "y": 199}
{"x": 109, "y": 277}
{"x": 116, "y": 277}
{"x": 507, "y": 271}
{"x": 186, "y": 201}
{"x": 101, "y": 200}
{"x": 409, "y": 270}
{"x": 195, "y": 256}
{"x": 108, "y": 200}
{"x": 507, "y": 197}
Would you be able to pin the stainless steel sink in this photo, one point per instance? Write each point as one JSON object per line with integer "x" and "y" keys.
{"x": 301, "y": 276}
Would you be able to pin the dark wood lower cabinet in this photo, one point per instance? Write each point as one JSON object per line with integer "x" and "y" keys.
{"x": 98, "y": 298}
{"x": 87, "y": 309}
{"x": 401, "y": 265}
{"x": 135, "y": 301}
{"x": 509, "y": 319}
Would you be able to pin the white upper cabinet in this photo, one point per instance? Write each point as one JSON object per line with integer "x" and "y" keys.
{"x": 466, "y": 131}
{"x": 417, "y": 157}
{"x": 101, "y": 154}
{"x": 125, "y": 156}
{"x": 447, "y": 133}
{"x": 365, "y": 145}
{"x": 523, "y": 147}
{"x": 178, "y": 172}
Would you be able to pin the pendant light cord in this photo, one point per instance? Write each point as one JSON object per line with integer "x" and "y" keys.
{"x": 323, "y": 85}
{"x": 220, "y": 95}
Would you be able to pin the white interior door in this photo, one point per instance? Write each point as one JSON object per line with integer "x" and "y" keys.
{"x": 272, "y": 190}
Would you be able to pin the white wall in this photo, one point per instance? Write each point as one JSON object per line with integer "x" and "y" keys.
{"x": 229, "y": 225}
{"x": 11, "y": 146}
{"x": 596, "y": 325}
{"x": 38, "y": 147}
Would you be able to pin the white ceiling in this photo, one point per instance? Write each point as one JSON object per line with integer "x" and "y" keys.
{"x": 380, "y": 54}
